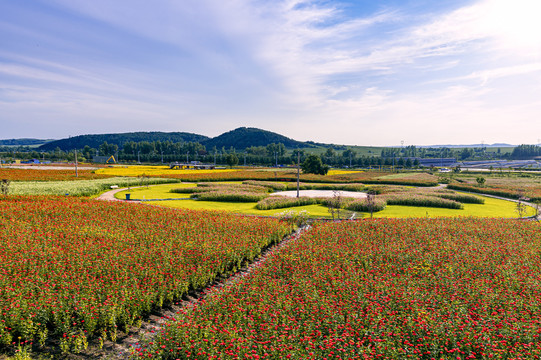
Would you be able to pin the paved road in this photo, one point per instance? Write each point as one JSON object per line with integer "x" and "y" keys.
{"x": 110, "y": 195}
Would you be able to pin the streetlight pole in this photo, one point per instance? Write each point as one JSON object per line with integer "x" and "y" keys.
{"x": 298, "y": 172}
{"x": 76, "y": 171}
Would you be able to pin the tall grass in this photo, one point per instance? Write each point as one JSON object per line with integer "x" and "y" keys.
{"x": 230, "y": 196}
{"x": 280, "y": 202}
{"x": 208, "y": 187}
{"x": 510, "y": 194}
{"x": 268, "y": 184}
{"x": 463, "y": 198}
{"x": 343, "y": 187}
{"x": 364, "y": 206}
{"x": 421, "y": 200}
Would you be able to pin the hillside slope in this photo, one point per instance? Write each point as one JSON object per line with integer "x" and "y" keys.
{"x": 244, "y": 137}
{"x": 94, "y": 141}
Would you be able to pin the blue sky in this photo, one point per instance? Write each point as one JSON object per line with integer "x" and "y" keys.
{"x": 347, "y": 72}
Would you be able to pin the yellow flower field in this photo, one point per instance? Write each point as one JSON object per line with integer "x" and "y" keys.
{"x": 342, "y": 172}
{"x": 139, "y": 170}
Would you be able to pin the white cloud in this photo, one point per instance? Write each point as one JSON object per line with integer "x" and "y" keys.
{"x": 294, "y": 67}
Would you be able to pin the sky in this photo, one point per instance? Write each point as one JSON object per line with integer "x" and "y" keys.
{"x": 364, "y": 72}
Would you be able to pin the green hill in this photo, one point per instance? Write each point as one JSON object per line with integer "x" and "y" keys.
{"x": 243, "y": 137}
{"x": 23, "y": 142}
{"x": 94, "y": 141}
{"x": 240, "y": 139}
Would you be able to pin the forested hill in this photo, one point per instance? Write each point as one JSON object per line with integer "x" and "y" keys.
{"x": 22, "y": 142}
{"x": 243, "y": 137}
{"x": 239, "y": 139}
{"x": 94, "y": 141}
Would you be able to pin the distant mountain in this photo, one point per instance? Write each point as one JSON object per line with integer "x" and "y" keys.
{"x": 94, "y": 141}
{"x": 244, "y": 137}
{"x": 240, "y": 139}
{"x": 23, "y": 142}
{"x": 495, "y": 145}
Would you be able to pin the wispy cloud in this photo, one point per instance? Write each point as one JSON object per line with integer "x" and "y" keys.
{"x": 286, "y": 65}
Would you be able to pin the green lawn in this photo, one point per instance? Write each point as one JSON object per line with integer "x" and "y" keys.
{"x": 155, "y": 192}
{"x": 491, "y": 208}
{"x": 242, "y": 208}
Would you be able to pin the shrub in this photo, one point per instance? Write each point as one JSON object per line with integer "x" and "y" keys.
{"x": 268, "y": 184}
{"x": 462, "y": 198}
{"x": 230, "y": 195}
{"x": 422, "y": 200}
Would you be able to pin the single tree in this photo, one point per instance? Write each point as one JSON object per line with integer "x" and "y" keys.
{"x": 232, "y": 159}
{"x": 480, "y": 180}
{"x": 313, "y": 165}
{"x": 335, "y": 204}
{"x": 4, "y": 186}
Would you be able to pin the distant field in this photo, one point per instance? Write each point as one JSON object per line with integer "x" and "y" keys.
{"x": 17, "y": 174}
{"x": 359, "y": 150}
{"x": 153, "y": 171}
{"x": 79, "y": 187}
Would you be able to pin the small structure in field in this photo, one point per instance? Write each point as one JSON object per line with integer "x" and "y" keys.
{"x": 195, "y": 165}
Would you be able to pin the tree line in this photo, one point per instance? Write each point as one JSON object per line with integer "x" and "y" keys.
{"x": 271, "y": 154}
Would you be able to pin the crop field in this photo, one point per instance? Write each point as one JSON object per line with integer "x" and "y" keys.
{"x": 73, "y": 269}
{"x": 387, "y": 288}
{"x": 154, "y": 171}
{"x": 287, "y": 175}
{"x": 79, "y": 187}
{"x": 436, "y": 274}
{"x": 513, "y": 187}
{"x": 14, "y": 174}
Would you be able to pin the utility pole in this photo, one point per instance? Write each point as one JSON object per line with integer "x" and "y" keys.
{"x": 276, "y": 158}
{"x": 245, "y": 158}
{"x": 76, "y": 170}
{"x": 139, "y": 156}
{"x": 298, "y": 171}
{"x": 187, "y": 157}
{"x": 162, "y": 156}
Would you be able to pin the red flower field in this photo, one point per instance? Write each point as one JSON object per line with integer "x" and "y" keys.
{"x": 71, "y": 269}
{"x": 390, "y": 288}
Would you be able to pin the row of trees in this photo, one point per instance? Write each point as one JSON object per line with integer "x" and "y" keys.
{"x": 272, "y": 154}
{"x": 526, "y": 152}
